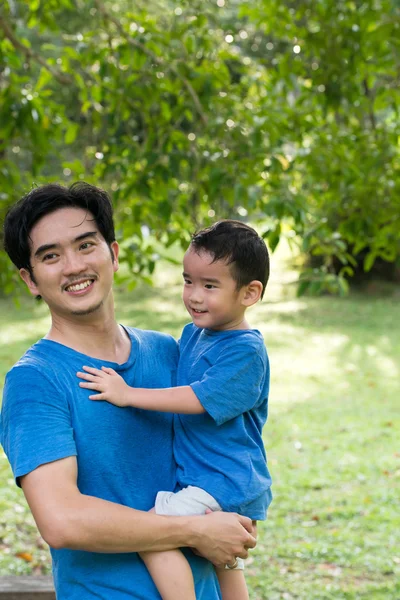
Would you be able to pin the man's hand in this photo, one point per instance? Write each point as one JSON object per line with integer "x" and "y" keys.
{"x": 106, "y": 381}
{"x": 222, "y": 537}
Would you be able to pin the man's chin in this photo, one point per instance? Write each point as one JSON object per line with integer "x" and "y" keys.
{"x": 87, "y": 311}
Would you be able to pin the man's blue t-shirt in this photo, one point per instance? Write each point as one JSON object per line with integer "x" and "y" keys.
{"x": 124, "y": 455}
{"x": 221, "y": 450}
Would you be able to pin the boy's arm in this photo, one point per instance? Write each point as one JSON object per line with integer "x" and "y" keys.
{"x": 68, "y": 519}
{"x": 112, "y": 387}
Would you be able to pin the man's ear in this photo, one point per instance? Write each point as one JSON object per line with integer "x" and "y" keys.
{"x": 115, "y": 251}
{"x": 252, "y": 292}
{"x": 26, "y": 277}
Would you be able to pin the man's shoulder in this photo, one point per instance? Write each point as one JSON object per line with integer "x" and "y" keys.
{"x": 34, "y": 375}
{"x": 153, "y": 339}
{"x": 33, "y": 357}
{"x": 150, "y": 334}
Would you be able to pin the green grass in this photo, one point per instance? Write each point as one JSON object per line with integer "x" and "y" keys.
{"x": 332, "y": 439}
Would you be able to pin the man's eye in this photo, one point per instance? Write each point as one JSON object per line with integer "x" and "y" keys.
{"x": 85, "y": 245}
{"x": 49, "y": 256}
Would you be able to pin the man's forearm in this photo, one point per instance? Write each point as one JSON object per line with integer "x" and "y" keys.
{"x": 99, "y": 526}
{"x": 68, "y": 519}
{"x": 96, "y": 525}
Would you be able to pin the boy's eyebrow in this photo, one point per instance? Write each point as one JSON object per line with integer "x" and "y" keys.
{"x": 210, "y": 279}
{"x": 47, "y": 247}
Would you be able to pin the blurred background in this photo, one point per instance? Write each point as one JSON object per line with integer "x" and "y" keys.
{"x": 283, "y": 114}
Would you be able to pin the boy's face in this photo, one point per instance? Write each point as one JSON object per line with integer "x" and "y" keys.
{"x": 72, "y": 265}
{"x": 210, "y": 293}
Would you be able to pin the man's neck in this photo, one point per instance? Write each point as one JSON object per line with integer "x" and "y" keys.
{"x": 98, "y": 336}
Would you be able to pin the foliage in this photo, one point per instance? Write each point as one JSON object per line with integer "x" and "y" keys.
{"x": 287, "y": 112}
{"x": 337, "y": 62}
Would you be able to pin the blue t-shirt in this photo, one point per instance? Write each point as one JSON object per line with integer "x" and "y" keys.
{"x": 124, "y": 456}
{"x": 221, "y": 450}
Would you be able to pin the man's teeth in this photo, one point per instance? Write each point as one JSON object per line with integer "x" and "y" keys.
{"x": 79, "y": 286}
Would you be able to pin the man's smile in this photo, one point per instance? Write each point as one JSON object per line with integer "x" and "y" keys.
{"x": 79, "y": 286}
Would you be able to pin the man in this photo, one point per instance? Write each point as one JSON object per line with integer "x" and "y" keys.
{"x": 90, "y": 471}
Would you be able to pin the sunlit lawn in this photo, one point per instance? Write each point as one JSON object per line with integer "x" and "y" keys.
{"x": 332, "y": 439}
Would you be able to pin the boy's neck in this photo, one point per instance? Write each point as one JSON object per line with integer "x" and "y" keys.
{"x": 235, "y": 326}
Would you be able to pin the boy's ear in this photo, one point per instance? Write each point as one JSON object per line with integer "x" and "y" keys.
{"x": 252, "y": 293}
{"x": 26, "y": 278}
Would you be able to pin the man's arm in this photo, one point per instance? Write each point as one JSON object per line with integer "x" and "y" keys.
{"x": 112, "y": 387}
{"x": 68, "y": 519}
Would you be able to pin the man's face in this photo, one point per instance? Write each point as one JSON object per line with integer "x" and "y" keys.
{"x": 72, "y": 264}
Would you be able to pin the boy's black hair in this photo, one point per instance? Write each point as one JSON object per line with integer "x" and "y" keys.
{"x": 239, "y": 246}
{"x": 43, "y": 200}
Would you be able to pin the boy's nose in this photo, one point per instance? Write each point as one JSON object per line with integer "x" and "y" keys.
{"x": 196, "y": 295}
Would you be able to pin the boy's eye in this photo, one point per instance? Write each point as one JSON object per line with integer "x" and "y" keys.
{"x": 187, "y": 281}
{"x": 209, "y": 286}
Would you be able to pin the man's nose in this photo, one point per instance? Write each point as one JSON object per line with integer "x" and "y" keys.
{"x": 73, "y": 263}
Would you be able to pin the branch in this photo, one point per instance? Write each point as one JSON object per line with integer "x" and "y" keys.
{"x": 369, "y": 95}
{"x": 159, "y": 61}
{"x": 31, "y": 54}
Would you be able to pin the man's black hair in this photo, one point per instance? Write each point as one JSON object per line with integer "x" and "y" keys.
{"x": 239, "y": 246}
{"x": 46, "y": 199}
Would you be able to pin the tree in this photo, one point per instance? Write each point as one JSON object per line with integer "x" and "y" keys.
{"x": 285, "y": 112}
{"x": 337, "y": 63}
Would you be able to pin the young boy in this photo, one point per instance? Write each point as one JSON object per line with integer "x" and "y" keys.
{"x": 221, "y": 402}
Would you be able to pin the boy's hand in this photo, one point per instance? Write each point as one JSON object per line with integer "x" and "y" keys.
{"x": 106, "y": 381}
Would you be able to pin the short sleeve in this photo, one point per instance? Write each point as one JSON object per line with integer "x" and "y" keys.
{"x": 234, "y": 384}
{"x": 35, "y": 421}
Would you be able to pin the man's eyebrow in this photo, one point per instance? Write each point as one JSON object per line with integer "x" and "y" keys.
{"x": 85, "y": 235}
{"x": 47, "y": 247}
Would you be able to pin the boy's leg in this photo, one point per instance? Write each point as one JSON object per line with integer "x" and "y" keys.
{"x": 233, "y": 584}
{"x": 170, "y": 570}
{"x": 171, "y": 573}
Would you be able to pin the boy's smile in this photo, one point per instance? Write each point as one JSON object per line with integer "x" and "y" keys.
{"x": 210, "y": 293}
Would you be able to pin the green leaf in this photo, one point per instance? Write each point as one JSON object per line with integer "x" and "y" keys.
{"x": 369, "y": 261}
{"x": 44, "y": 78}
{"x": 71, "y": 133}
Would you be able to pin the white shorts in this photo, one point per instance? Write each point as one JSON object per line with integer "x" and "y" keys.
{"x": 189, "y": 501}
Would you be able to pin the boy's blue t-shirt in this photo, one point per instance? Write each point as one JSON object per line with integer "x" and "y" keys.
{"x": 221, "y": 450}
{"x": 124, "y": 455}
